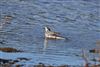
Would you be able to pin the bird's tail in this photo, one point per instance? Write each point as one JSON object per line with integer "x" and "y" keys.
{"x": 60, "y": 38}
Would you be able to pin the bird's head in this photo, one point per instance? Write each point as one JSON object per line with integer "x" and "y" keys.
{"x": 47, "y": 29}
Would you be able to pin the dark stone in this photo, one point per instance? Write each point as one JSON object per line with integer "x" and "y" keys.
{"x": 4, "y": 61}
{"x": 8, "y": 49}
{"x": 92, "y": 51}
{"x": 23, "y": 58}
{"x": 40, "y": 65}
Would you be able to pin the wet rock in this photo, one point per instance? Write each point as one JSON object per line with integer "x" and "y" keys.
{"x": 13, "y": 61}
{"x": 40, "y": 65}
{"x": 3, "y": 61}
{"x": 6, "y": 65}
{"x": 49, "y": 66}
{"x": 19, "y": 60}
{"x": 94, "y": 51}
{"x": 26, "y": 59}
{"x": 63, "y": 66}
{"x": 8, "y": 49}
{"x": 8, "y": 61}
{"x": 18, "y": 65}
{"x": 43, "y": 65}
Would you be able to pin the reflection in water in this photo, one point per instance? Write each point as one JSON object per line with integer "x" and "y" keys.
{"x": 5, "y": 20}
{"x": 45, "y": 44}
{"x": 46, "y": 40}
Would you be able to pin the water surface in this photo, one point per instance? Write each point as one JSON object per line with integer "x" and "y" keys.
{"x": 78, "y": 20}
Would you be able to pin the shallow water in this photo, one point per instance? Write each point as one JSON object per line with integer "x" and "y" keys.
{"x": 77, "y": 20}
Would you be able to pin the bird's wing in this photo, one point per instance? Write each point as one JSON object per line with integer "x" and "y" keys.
{"x": 54, "y": 33}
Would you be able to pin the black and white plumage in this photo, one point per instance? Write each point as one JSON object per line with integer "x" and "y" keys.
{"x": 52, "y": 35}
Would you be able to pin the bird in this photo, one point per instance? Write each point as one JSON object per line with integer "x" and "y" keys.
{"x": 52, "y": 35}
